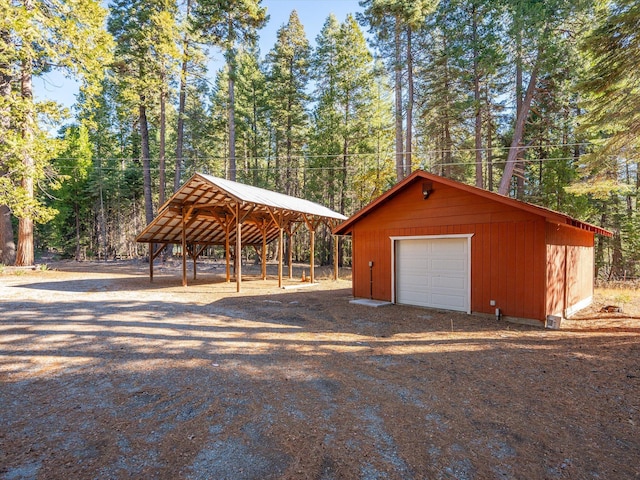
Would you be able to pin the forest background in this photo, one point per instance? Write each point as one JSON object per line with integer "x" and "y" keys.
{"x": 539, "y": 100}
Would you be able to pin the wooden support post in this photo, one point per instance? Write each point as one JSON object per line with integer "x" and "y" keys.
{"x": 336, "y": 251}
{"x": 312, "y": 255}
{"x": 290, "y": 252}
{"x": 311, "y": 225}
{"x": 227, "y": 253}
{"x": 195, "y": 259}
{"x": 280, "y": 255}
{"x": 264, "y": 254}
{"x": 151, "y": 257}
{"x": 238, "y": 249}
{"x": 184, "y": 249}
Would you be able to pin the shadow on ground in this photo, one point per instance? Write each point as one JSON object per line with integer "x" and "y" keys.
{"x": 151, "y": 383}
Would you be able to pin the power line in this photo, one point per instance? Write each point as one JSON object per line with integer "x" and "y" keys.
{"x": 303, "y": 156}
{"x": 495, "y": 162}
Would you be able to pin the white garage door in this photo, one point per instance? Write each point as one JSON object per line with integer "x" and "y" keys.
{"x": 433, "y": 273}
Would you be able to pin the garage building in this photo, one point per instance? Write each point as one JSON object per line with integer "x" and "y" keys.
{"x": 434, "y": 242}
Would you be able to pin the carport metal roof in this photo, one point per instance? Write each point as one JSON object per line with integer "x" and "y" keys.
{"x": 209, "y": 210}
{"x": 209, "y": 206}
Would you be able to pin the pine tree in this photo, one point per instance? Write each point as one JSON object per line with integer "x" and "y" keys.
{"x": 612, "y": 96}
{"x": 346, "y": 93}
{"x": 146, "y": 54}
{"x": 537, "y": 33}
{"x": 288, "y": 73}
{"x": 70, "y": 229}
{"x": 251, "y": 112}
{"x": 399, "y": 19}
{"x": 37, "y": 36}
{"x": 444, "y": 96}
{"x": 226, "y": 24}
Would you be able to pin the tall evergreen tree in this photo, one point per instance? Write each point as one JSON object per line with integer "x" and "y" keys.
{"x": 226, "y": 24}
{"x": 537, "y": 33}
{"x": 343, "y": 70}
{"x": 288, "y": 73}
{"x": 146, "y": 53}
{"x": 612, "y": 95}
{"x": 252, "y": 111}
{"x": 70, "y": 229}
{"x": 444, "y": 94}
{"x": 38, "y": 36}
{"x": 399, "y": 19}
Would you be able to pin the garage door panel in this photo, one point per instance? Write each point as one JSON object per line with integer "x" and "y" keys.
{"x": 449, "y": 302}
{"x": 447, "y": 265}
{"x": 433, "y": 273}
{"x": 453, "y": 283}
{"x": 447, "y": 247}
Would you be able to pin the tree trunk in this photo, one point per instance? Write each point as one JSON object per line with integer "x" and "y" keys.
{"x": 161, "y": 153}
{"x": 398, "y": 97}
{"x": 489, "y": 147}
{"x": 476, "y": 98}
{"x": 617, "y": 257}
{"x": 102, "y": 227}
{"x": 146, "y": 162}
{"x": 182, "y": 106}
{"x": 76, "y": 213}
{"x": 448, "y": 143}
{"x": 519, "y": 166}
{"x": 7, "y": 242}
{"x": 254, "y": 129}
{"x": 232, "y": 125}
{"x": 409, "y": 129}
{"x": 345, "y": 157}
{"x": 25, "y": 253}
{"x": 231, "y": 62}
{"x": 289, "y": 180}
{"x": 518, "y": 132}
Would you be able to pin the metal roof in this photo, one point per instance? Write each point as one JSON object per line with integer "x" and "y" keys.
{"x": 209, "y": 206}
{"x": 268, "y": 198}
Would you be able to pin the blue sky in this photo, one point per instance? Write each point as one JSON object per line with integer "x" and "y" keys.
{"x": 312, "y": 13}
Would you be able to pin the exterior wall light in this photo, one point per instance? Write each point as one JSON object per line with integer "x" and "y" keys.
{"x": 427, "y": 188}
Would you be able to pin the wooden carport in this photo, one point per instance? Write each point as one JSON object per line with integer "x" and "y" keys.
{"x": 209, "y": 210}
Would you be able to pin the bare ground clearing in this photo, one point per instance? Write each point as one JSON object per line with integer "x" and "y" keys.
{"x": 104, "y": 375}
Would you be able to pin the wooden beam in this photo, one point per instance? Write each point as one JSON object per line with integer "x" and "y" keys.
{"x": 194, "y": 255}
{"x": 290, "y": 232}
{"x": 151, "y": 257}
{"x": 184, "y": 251}
{"x": 247, "y": 213}
{"x": 290, "y": 254}
{"x": 311, "y": 225}
{"x": 264, "y": 254}
{"x": 312, "y": 254}
{"x": 227, "y": 250}
{"x": 238, "y": 249}
{"x": 336, "y": 252}
{"x": 280, "y": 254}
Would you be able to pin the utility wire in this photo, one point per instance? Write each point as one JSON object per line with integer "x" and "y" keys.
{"x": 429, "y": 162}
{"x": 422, "y": 153}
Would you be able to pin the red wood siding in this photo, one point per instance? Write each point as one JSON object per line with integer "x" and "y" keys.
{"x": 570, "y": 267}
{"x": 507, "y": 248}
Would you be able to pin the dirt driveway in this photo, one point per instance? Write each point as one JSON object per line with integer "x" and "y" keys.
{"x": 104, "y": 375}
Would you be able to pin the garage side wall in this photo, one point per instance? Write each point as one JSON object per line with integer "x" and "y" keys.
{"x": 570, "y": 269}
{"x": 507, "y": 247}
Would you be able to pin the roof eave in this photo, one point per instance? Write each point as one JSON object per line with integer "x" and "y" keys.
{"x": 346, "y": 227}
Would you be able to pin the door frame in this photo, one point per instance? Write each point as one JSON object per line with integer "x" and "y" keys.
{"x": 395, "y": 239}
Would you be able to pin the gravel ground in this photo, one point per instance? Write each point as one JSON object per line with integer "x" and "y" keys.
{"x": 104, "y": 375}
